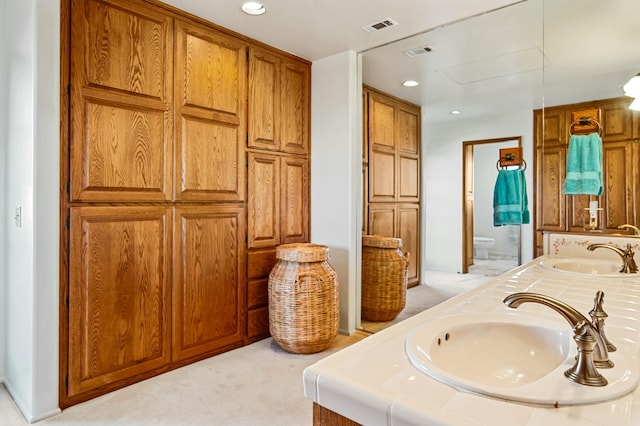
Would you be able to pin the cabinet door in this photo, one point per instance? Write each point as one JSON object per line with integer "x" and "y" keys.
{"x": 382, "y": 176}
{"x": 382, "y": 132}
{"x": 294, "y": 200}
{"x": 382, "y": 219}
{"x": 209, "y": 288}
{"x": 295, "y": 107}
{"x": 408, "y": 130}
{"x": 409, "y": 232}
{"x": 119, "y": 295}
{"x": 264, "y": 100}
{"x": 121, "y": 102}
{"x": 617, "y": 122}
{"x": 551, "y": 197}
{"x": 263, "y": 200}
{"x": 210, "y": 119}
{"x": 618, "y": 194}
{"x": 408, "y": 178}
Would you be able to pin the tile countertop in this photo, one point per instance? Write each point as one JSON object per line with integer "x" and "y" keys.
{"x": 373, "y": 383}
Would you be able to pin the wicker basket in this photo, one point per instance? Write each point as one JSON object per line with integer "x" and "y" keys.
{"x": 384, "y": 278}
{"x": 303, "y": 299}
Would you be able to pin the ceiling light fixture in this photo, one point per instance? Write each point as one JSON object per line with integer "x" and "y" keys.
{"x": 253, "y": 8}
{"x": 455, "y": 112}
{"x": 410, "y": 83}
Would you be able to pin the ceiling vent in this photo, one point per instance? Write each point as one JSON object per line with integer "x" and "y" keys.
{"x": 379, "y": 26}
{"x": 418, "y": 51}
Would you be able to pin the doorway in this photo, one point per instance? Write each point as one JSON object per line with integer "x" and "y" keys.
{"x": 480, "y": 162}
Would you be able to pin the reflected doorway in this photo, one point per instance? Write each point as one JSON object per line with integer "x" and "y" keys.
{"x": 498, "y": 248}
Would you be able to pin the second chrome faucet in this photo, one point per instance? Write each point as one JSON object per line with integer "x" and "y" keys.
{"x": 626, "y": 255}
{"x": 589, "y": 336}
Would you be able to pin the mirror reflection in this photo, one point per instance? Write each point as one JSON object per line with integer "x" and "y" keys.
{"x": 495, "y": 69}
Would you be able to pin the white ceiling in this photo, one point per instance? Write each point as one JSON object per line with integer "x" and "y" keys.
{"x": 481, "y": 63}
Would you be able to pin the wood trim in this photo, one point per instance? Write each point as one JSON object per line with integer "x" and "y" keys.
{"x": 325, "y": 417}
{"x": 63, "y": 311}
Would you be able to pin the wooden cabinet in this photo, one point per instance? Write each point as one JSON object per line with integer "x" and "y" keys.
{"x": 121, "y": 125}
{"x": 208, "y": 283}
{"x": 278, "y": 171}
{"x": 620, "y": 129}
{"x": 119, "y": 294}
{"x": 391, "y": 167}
{"x": 279, "y": 94}
{"x": 210, "y": 111}
{"x": 160, "y": 207}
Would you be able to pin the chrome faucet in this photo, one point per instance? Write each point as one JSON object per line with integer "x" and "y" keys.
{"x": 592, "y": 349}
{"x": 628, "y": 263}
{"x": 636, "y": 230}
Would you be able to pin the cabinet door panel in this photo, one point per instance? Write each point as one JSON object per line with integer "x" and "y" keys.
{"x": 382, "y": 219}
{"x": 617, "y": 122}
{"x": 264, "y": 95}
{"x": 121, "y": 102}
{"x": 409, "y": 179}
{"x": 263, "y": 203}
{"x": 210, "y": 119}
{"x": 209, "y": 296}
{"x": 409, "y": 232}
{"x": 119, "y": 294}
{"x": 408, "y": 130}
{"x": 294, "y": 200}
{"x": 618, "y": 184}
{"x": 381, "y": 122}
{"x": 294, "y": 103}
{"x": 552, "y": 201}
{"x": 382, "y": 176}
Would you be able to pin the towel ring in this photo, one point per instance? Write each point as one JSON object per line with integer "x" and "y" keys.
{"x": 523, "y": 165}
{"x": 583, "y": 121}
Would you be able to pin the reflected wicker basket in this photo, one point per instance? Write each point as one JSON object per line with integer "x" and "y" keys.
{"x": 384, "y": 278}
{"x": 304, "y": 312}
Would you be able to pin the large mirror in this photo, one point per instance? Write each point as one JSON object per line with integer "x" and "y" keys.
{"x": 495, "y": 69}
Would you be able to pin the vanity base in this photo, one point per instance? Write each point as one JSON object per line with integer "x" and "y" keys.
{"x": 325, "y": 417}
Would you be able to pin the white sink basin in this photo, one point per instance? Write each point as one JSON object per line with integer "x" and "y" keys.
{"x": 601, "y": 268}
{"x": 507, "y": 357}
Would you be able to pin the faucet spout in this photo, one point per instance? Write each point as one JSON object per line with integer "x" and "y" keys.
{"x": 573, "y": 317}
{"x": 628, "y": 262}
{"x": 636, "y": 230}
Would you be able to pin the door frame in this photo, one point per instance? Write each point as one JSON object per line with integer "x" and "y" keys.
{"x": 468, "y": 193}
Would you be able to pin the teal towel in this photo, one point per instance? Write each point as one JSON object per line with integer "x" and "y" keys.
{"x": 510, "y": 204}
{"x": 584, "y": 165}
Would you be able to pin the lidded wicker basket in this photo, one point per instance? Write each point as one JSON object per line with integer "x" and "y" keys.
{"x": 304, "y": 312}
{"x": 384, "y": 278}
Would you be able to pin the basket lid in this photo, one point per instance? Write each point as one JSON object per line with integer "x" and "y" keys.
{"x": 302, "y": 252}
{"x": 382, "y": 242}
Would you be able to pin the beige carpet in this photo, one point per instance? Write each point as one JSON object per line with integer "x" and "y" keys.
{"x": 259, "y": 384}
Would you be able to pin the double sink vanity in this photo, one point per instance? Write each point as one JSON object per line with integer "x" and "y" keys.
{"x": 473, "y": 360}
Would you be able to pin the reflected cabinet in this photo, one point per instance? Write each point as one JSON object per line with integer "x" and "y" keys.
{"x": 391, "y": 173}
{"x": 620, "y": 199}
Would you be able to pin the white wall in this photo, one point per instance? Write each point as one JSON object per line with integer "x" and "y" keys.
{"x": 335, "y": 173}
{"x": 442, "y": 183}
{"x": 4, "y": 217}
{"x": 32, "y": 182}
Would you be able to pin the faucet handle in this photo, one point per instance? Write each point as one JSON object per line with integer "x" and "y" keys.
{"x": 584, "y": 371}
{"x": 598, "y": 317}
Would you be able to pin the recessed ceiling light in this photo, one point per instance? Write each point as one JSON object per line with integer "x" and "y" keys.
{"x": 253, "y": 8}
{"x": 455, "y": 112}
{"x": 410, "y": 83}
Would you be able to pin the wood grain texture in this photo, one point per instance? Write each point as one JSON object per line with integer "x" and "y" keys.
{"x": 209, "y": 283}
{"x": 264, "y": 100}
{"x": 294, "y": 199}
{"x": 119, "y": 298}
{"x": 121, "y": 102}
{"x": 211, "y": 93}
{"x": 263, "y": 200}
{"x": 295, "y": 108}
{"x": 409, "y": 231}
